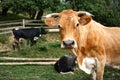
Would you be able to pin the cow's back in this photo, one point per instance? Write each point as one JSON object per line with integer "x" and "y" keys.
{"x": 112, "y": 44}
{"x": 26, "y": 33}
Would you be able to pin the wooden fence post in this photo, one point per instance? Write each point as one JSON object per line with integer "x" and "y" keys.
{"x": 23, "y": 23}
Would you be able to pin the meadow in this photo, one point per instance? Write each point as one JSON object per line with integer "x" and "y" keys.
{"x": 48, "y": 46}
{"x": 45, "y": 48}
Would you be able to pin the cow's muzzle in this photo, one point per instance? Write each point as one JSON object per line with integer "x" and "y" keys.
{"x": 68, "y": 43}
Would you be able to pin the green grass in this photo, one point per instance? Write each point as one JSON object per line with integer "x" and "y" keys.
{"x": 37, "y": 72}
{"x": 46, "y": 46}
{"x": 34, "y": 72}
{"x": 43, "y": 48}
{"x": 4, "y": 38}
{"x": 40, "y": 50}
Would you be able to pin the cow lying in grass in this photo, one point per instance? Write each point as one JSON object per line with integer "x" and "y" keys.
{"x": 31, "y": 34}
{"x": 65, "y": 64}
{"x": 93, "y": 43}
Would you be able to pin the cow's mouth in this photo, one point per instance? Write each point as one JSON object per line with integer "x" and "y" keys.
{"x": 68, "y": 47}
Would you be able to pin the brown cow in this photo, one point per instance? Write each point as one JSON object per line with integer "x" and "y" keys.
{"x": 94, "y": 44}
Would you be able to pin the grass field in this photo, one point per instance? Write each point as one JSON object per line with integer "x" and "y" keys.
{"x": 51, "y": 49}
{"x": 37, "y": 72}
{"x": 47, "y": 46}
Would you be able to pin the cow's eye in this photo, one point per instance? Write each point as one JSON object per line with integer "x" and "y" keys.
{"x": 77, "y": 24}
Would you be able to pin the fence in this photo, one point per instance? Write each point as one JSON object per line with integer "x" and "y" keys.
{"x": 24, "y": 61}
{"x": 7, "y": 26}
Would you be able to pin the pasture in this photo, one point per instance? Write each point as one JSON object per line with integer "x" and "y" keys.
{"x": 48, "y": 46}
{"x": 41, "y": 72}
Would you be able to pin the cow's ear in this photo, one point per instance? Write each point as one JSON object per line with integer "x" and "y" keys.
{"x": 85, "y": 17}
{"x": 52, "y": 20}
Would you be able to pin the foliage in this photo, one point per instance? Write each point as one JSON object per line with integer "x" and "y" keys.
{"x": 104, "y": 11}
{"x": 10, "y": 17}
{"x": 5, "y": 3}
{"x": 22, "y": 6}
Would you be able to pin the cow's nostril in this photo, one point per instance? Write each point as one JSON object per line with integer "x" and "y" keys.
{"x": 73, "y": 42}
{"x": 68, "y": 42}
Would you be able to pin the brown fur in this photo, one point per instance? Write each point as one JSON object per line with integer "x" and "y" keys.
{"x": 92, "y": 39}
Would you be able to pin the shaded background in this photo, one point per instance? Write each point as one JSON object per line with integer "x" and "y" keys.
{"x": 106, "y": 12}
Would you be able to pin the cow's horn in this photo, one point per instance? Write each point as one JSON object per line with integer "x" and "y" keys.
{"x": 55, "y": 15}
{"x": 84, "y": 13}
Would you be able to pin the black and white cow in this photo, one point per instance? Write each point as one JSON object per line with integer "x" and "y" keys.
{"x": 65, "y": 64}
{"x": 28, "y": 34}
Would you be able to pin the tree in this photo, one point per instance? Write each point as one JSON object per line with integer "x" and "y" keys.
{"x": 5, "y": 4}
{"x": 113, "y": 7}
{"x": 24, "y": 6}
{"x": 106, "y": 12}
{"x": 31, "y": 7}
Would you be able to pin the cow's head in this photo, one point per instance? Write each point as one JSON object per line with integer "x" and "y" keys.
{"x": 69, "y": 23}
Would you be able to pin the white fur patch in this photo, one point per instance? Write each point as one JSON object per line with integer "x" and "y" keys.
{"x": 35, "y": 38}
{"x": 87, "y": 65}
{"x": 94, "y": 75}
{"x": 40, "y": 35}
{"x": 17, "y": 28}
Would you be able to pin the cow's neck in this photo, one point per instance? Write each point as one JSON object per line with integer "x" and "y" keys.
{"x": 87, "y": 40}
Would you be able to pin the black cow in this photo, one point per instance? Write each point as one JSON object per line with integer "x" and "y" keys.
{"x": 28, "y": 34}
{"x": 65, "y": 64}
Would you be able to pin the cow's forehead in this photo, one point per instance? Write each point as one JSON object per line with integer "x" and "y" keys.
{"x": 68, "y": 16}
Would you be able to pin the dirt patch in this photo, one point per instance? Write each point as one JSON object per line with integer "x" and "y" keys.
{"x": 4, "y": 46}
